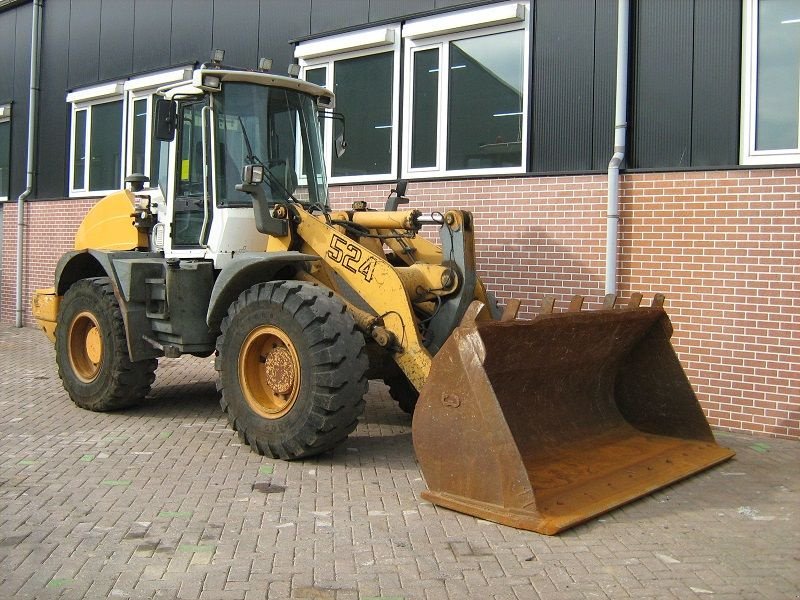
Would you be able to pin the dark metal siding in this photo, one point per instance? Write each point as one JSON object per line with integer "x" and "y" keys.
{"x": 446, "y": 3}
{"x": 715, "y": 101}
{"x": 191, "y": 31}
{"x": 605, "y": 77}
{"x": 391, "y": 9}
{"x": 54, "y": 114}
{"x": 686, "y": 84}
{"x": 329, "y": 15}
{"x": 684, "y": 108}
{"x": 116, "y": 39}
{"x": 8, "y": 24}
{"x": 19, "y": 111}
{"x": 662, "y": 89}
{"x": 563, "y": 76}
{"x": 152, "y": 27}
{"x": 83, "y": 57}
{"x": 236, "y": 31}
{"x": 281, "y": 21}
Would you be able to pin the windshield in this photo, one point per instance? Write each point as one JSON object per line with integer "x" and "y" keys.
{"x": 272, "y": 126}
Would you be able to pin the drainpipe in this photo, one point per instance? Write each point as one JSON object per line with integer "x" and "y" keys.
{"x": 33, "y": 117}
{"x": 620, "y": 128}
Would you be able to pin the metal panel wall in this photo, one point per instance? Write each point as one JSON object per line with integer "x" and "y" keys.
{"x": 116, "y": 39}
{"x": 84, "y": 42}
{"x": 563, "y": 75}
{"x": 686, "y": 84}
{"x": 330, "y": 15}
{"x": 391, "y": 9}
{"x": 662, "y": 84}
{"x": 605, "y": 78}
{"x": 19, "y": 112}
{"x": 152, "y": 24}
{"x": 8, "y": 24}
{"x": 236, "y": 31}
{"x": 191, "y": 31}
{"x": 684, "y": 87}
{"x": 54, "y": 113}
{"x": 715, "y": 97}
{"x": 281, "y": 21}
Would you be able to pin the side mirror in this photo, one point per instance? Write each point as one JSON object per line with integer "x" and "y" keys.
{"x": 252, "y": 174}
{"x": 341, "y": 145}
{"x": 164, "y": 120}
{"x": 397, "y": 196}
{"x": 340, "y": 142}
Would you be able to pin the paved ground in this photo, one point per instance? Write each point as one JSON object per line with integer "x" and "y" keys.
{"x": 162, "y": 501}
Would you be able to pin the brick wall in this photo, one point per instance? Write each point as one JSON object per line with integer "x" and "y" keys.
{"x": 723, "y": 246}
{"x": 50, "y": 228}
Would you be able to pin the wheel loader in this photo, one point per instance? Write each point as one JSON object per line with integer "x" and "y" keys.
{"x": 235, "y": 252}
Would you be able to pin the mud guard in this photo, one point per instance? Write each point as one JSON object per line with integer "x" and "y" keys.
{"x": 243, "y": 271}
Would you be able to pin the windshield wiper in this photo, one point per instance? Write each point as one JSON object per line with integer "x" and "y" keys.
{"x": 253, "y": 159}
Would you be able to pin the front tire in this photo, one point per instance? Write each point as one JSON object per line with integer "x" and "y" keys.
{"x": 292, "y": 369}
{"x": 92, "y": 350}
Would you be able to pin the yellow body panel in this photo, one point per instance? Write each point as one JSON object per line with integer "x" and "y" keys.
{"x": 45, "y": 310}
{"x": 109, "y": 225}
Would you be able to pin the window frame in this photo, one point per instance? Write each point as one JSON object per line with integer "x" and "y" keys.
{"x": 5, "y": 117}
{"x": 128, "y": 91}
{"x": 145, "y": 88}
{"x": 326, "y": 52}
{"x": 748, "y": 155}
{"x": 439, "y": 32}
{"x": 85, "y": 100}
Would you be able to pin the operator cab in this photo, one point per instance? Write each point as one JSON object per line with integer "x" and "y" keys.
{"x": 220, "y": 122}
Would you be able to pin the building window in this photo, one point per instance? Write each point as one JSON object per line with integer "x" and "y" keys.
{"x": 363, "y": 71}
{"x": 96, "y": 148}
{"x": 465, "y": 104}
{"x": 771, "y": 82}
{"x": 5, "y": 151}
{"x": 465, "y": 107}
{"x": 111, "y": 133}
{"x": 143, "y": 154}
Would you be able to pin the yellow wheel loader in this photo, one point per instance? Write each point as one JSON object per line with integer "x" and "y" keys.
{"x": 234, "y": 251}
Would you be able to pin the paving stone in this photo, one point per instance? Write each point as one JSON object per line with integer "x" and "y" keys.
{"x": 163, "y": 501}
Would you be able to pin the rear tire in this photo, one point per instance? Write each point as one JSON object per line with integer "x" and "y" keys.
{"x": 401, "y": 390}
{"x": 292, "y": 369}
{"x": 92, "y": 350}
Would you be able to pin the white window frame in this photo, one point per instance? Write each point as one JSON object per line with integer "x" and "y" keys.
{"x": 748, "y": 155}
{"x": 326, "y": 52}
{"x": 127, "y": 91}
{"x": 144, "y": 88}
{"x": 5, "y": 117}
{"x": 84, "y": 100}
{"x": 438, "y": 32}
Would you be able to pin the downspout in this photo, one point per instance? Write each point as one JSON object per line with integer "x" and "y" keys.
{"x": 620, "y": 129}
{"x": 33, "y": 122}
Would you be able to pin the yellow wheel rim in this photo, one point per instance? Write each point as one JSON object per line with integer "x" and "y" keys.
{"x": 269, "y": 371}
{"x": 85, "y": 347}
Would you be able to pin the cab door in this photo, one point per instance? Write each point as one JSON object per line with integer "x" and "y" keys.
{"x": 191, "y": 205}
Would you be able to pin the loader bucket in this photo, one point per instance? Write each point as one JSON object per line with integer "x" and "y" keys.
{"x": 543, "y": 424}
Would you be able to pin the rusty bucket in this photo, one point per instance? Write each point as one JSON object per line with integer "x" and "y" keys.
{"x": 543, "y": 424}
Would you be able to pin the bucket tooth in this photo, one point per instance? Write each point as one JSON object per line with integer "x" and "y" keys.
{"x": 511, "y": 310}
{"x": 635, "y": 300}
{"x": 609, "y": 301}
{"x": 576, "y": 303}
{"x": 658, "y": 301}
{"x": 548, "y": 305}
{"x": 543, "y": 424}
